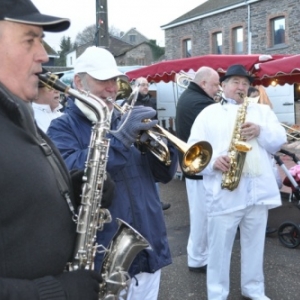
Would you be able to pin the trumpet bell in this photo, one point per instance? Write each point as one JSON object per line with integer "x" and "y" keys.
{"x": 196, "y": 158}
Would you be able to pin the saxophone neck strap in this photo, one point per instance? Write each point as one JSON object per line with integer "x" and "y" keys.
{"x": 61, "y": 180}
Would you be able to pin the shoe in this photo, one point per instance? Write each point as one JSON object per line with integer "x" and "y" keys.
{"x": 270, "y": 230}
{"x": 165, "y": 206}
{"x": 198, "y": 269}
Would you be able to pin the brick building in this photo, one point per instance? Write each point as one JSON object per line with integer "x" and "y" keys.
{"x": 235, "y": 27}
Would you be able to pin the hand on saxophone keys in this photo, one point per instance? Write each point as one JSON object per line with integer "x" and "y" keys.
{"x": 250, "y": 131}
{"x": 222, "y": 163}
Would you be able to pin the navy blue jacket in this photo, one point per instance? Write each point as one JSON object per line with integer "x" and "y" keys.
{"x": 136, "y": 200}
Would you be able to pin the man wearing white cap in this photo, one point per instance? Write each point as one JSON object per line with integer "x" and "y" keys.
{"x": 37, "y": 232}
{"x": 136, "y": 199}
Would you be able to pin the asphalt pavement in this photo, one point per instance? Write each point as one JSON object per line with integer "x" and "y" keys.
{"x": 281, "y": 265}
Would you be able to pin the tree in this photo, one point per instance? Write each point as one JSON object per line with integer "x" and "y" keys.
{"x": 114, "y": 31}
{"x": 88, "y": 34}
{"x": 65, "y": 46}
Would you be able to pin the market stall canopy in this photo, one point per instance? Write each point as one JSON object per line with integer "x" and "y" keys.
{"x": 279, "y": 71}
{"x": 166, "y": 70}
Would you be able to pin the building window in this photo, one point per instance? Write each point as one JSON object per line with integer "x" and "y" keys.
{"x": 132, "y": 38}
{"x": 71, "y": 61}
{"x": 141, "y": 61}
{"x": 217, "y": 43}
{"x": 238, "y": 40}
{"x": 278, "y": 31}
{"x": 187, "y": 48}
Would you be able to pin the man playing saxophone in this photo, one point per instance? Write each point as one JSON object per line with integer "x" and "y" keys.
{"x": 38, "y": 207}
{"x": 136, "y": 200}
{"x": 246, "y": 204}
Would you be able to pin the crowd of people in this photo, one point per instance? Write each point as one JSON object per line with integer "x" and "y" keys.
{"x": 38, "y": 219}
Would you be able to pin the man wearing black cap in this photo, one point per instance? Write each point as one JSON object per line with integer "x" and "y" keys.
{"x": 245, "y": 206}
{"x": 37, "y": 232}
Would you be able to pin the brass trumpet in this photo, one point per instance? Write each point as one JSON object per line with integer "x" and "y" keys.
{"x": 195, "y": 157}
{"x": 291, "y": 132}
{"x": 183, "y": 79}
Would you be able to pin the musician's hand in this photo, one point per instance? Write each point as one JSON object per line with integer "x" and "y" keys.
{"x": 222, "y": 163}
{"x": 80, "y": 284}
{"x": 108, "y": 192}
{"x": 250, "y": 130}
{"x": 133, "y": 122}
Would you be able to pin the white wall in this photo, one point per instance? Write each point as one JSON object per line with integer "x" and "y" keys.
{"x": 70, "y": 59}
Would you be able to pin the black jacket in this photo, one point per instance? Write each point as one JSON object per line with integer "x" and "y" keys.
{"x": 146, "y": 100}
{"x": 191, "y": 102}
{"x": 37, "y": 233}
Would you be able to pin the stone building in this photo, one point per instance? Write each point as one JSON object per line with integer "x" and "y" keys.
{"x": 128, "y": 51}
{"x": 133, "y": 37}
{"x": 235, "y": 27}
{"x": 143, "y": 54}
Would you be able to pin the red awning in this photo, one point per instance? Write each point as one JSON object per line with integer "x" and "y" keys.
{"x": 280, "y": 71}
{"x": 167, "y": 70}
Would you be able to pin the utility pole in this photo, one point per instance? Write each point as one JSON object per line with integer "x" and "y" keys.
{"x": 101, "y": 35}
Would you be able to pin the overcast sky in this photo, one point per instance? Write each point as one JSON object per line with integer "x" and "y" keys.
{"x": 145, "y": 16}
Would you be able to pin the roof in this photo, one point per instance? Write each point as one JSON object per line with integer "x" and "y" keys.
{"x": 208, "y": 7}
{"x": 116, "y": 46}
{"x": 50, "y": 51}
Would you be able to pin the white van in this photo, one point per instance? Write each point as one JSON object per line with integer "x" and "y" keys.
{"x": 282, "y": 98}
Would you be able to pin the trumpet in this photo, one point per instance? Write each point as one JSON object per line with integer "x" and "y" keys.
{"x": 195, "y": 157}
{"x": 183, "y": 79}
{"x": 291, "y": 132}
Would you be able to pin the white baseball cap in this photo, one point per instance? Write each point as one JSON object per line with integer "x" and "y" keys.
{"x": 98, "y": 63}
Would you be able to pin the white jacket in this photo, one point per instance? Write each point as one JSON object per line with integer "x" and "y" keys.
{"x": 44, "y": 115}
{"x": 215, "y": 125}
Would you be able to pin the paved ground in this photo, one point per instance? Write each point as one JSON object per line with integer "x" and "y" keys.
{"x": 282, "y": 265}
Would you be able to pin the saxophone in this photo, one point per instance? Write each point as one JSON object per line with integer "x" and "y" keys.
{"x": 237, "y": 150}
{"x": 127, "y": 242}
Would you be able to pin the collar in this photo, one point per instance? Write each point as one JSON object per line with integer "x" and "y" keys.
{"x": 227, "y": 100}
{"x": 42, "y": 107}
{"x": 46, "y": 107}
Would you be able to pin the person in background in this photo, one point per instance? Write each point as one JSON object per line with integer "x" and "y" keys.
{"x": 136, "y": 200}
{"x": 37, "y": 232}
{"x": 259, "y": 91}
{"x": 144, "y": 98}
{"x": 259, "y": 94}
{"x": 199, "y": 94}
{"x": 246, "y": 205}
{"x": 46, "y": 106}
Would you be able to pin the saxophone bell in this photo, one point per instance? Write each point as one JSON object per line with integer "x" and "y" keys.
{"x": 115, "y": 264}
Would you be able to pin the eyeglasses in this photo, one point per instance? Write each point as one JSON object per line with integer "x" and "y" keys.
{"x": 144, "y": 84}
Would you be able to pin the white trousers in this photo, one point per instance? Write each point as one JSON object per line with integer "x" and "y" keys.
{"x": 222, "y": 230}
{"x": 197, "y": 250}
{"x": 144, "y": 286}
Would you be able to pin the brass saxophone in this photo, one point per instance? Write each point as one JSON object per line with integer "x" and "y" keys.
{"x": 127, "y": 242}
{"x": 237, "y": 150}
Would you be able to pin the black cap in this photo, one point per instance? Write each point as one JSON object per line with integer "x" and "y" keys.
{"x": 24, "y": 11}
{"x": 237, "y": 70}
